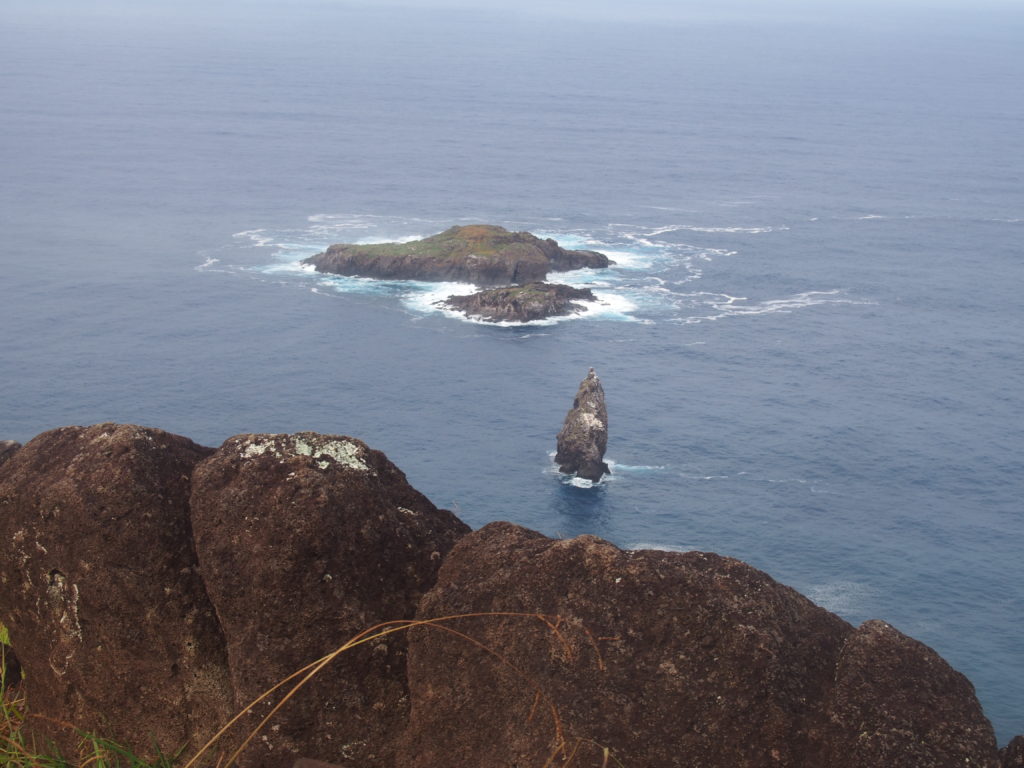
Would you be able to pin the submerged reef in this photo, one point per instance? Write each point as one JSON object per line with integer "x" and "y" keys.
{"x": 482, "y": 254}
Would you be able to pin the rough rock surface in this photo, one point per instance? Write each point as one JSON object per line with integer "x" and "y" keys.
{"x": 1012, "y": 755}
{"x": 584, "y": 435}
{"x": 480, "y": 254}
{"x": 304, "y": 541}
{"x": 897, "y": 702}
{"x": 522, "y": 303}
{"x": 8, "y": 449}
{"x": 11, "y": 672}
{"x": 100, "y": 590}
{"x": 666, "y": 659}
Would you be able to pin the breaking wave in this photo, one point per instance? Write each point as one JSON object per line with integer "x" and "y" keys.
{"x": 652, "y": 280}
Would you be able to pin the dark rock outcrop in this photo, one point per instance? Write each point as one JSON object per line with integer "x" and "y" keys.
{"x": 666, "y": 659}
{"x": 584, "y": 435}
{"x": 100, "y": 590}
{"x": 304, "y": 541}
{"x": 521, "y": 303}
{"x": 153, "y": 587}
{"x": 481, "y": 254}
{"x": 897, "y": 702}
{"x": 8, "y": 449}
{"x": 1012, "y": 755}
{"x": 11, "y": 671}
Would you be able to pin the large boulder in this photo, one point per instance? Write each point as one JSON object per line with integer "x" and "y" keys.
{"x": 482, "y": 254}
{"x": 665, "y": 659}
{"x": 100, "y": 589}
{"x": 1012, "y": 755}
{"x": 304, "y": 541}
{"x": 583, "y": 438}
{"x": 897, "y": 702}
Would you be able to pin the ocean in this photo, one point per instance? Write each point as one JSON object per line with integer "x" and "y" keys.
{"x": 810, "y": 341}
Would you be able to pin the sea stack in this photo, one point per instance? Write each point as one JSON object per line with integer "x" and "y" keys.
{"x": 584, "y": 436}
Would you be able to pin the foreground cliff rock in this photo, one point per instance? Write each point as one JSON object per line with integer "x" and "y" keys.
{"x": 584, "y": 435}
{"x": 667, "y": 659}
{"x": 129, "y": 627}
{"x": 521, "y": 303}
{"x": 305, "y": 540}
{"x": 100, "y": 587}
{"x": 480, "y": 254}
{"x": 152, "y": 587}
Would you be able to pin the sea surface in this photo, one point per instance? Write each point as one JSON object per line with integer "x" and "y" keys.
{"x": 810, "y": 341}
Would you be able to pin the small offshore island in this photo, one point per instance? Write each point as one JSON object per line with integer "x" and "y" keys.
{"x": 521, "y": 303}
{"x": 513, "y": 265}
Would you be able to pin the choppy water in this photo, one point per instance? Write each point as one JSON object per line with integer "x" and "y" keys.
{"x": 810, "y": 341}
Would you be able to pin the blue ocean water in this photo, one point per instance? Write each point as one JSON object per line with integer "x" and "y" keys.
{"x": 810, "y": 343}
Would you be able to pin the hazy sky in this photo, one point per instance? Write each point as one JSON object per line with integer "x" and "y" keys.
{"x": 625, "y": 10}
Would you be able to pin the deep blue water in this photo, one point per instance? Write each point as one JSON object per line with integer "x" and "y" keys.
{"x": 812, "y": 347}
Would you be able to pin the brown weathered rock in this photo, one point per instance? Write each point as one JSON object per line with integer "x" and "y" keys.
{"x": 897, "y": 702}
{"x": 666, "y": 659}
{"x": 1012, "y": 755}
{"x": 521, "y": 303}
{"x": 304, "y": 541}
{"x": 100, "y": 591}
{"x": 482, "y": 254}
{"x": 8, "y": 449}
{"x": 584, "y": 435}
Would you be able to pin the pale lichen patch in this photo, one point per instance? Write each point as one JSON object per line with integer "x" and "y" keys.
{"x": 256, "y": 448}
{"x": 324, "y": 450}
{"x": 346, "y": 453}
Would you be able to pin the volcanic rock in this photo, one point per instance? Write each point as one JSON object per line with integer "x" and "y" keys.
{"x": 481, "y": 254}
{"x": 521, "y": 303}
{"x": 1012, "y": 755}
{"x": 665, "y": 659}
{"x": 11, "y": 667}
{"x": 100, "y": 590}
{"x": 584, "y": 435}
{"x": 7, "y": 449}
{"x": 897, "y": 702}
{"x": 304, "y": 541}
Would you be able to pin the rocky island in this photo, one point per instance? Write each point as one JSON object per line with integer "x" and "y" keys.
{"x": 584, "y": 435}
{"x": 482, "y": 254}
{"x": 521, "y": 303}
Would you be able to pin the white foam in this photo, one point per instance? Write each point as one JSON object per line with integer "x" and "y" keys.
{"x": 379, "y": 240}
{"x": 842, "y": 597}
{"x": 210, "y": 261}
{"x": 715, "y": 230}
{"x": 725, "y": 305}
{"x": 659, "y": 547}
{"x": 257, "y": 236}
{"x": 287, "y": 267}
{"x": 614, "y": 466}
